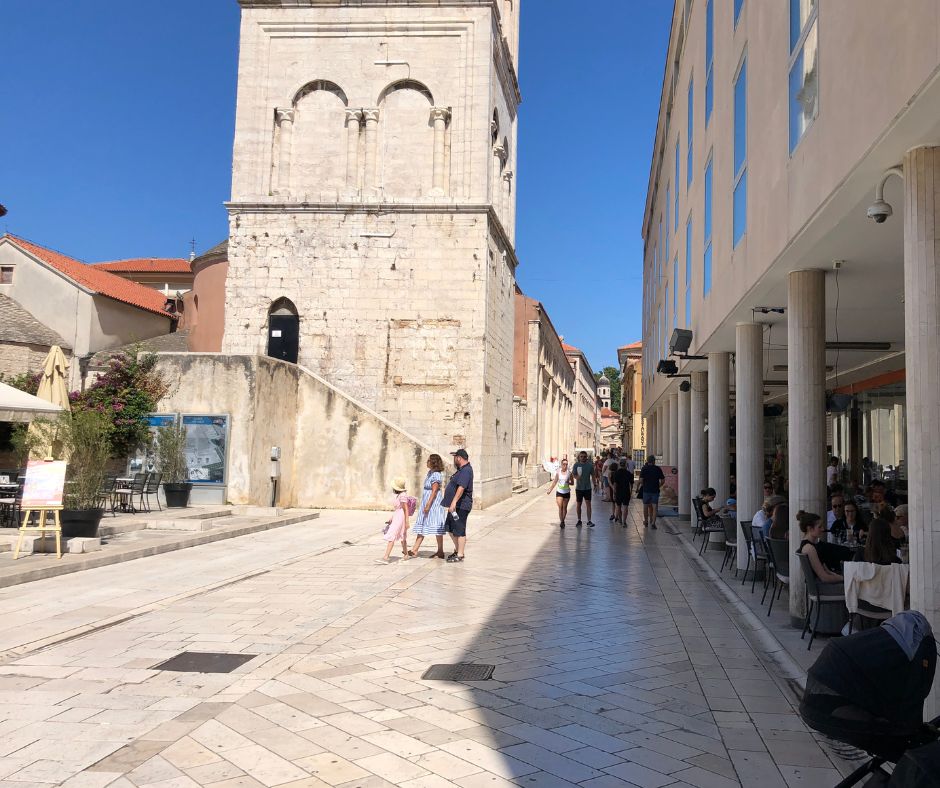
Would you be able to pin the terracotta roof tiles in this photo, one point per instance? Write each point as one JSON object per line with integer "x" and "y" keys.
{"x": 92, "y": 278}
{"x": 147, "y": 265}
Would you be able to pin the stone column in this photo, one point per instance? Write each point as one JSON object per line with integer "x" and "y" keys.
{"x": 684, "y": 447}
{"x": 651, "y": 433}
{"x": 353, "y": 128}
{"x": 663, "y": 430}
{"x": 921, "y": 340}
{"x": 506, "y": 199}
{"x": 439, "y": 118}
{"x": 719, "y": 425}
{"x": 673, "y": 449}
{"x": 698, "y": 444}
{"x": 370, "y": 179}
{"x": 499, "y": 156}
{"x": 806, "y": 410}
{"x": 285, "y": 121}
{"x": 749, "y": 423}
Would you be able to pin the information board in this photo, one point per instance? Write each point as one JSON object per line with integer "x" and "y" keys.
{"x": 206, "y": 446}
{"x": 144, "y": 459}
{"x": 45, "y": 483}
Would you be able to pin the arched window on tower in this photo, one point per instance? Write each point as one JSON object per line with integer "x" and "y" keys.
{"x": 283, "y": 331}
{"x": 318, "y": 155}
{"x": 407, "y": 149}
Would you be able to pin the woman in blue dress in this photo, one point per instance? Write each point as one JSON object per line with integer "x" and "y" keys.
{"x": 430, "y": 520}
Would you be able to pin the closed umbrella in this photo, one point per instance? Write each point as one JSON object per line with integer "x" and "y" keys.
{"x": 53, "y": 387}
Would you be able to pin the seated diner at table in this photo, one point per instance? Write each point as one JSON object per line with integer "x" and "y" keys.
{"x": 826, "y": 559}
{"x": 852, "y": 522}
{"x": 879, "y": 547}
{"x": 780, "y": 521}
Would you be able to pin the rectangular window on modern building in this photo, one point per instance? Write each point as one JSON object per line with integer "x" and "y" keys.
{"x": 675, "y": 212}
{"x": 690, "y": 124}
{"x": 709, "y": 58}
{"x": 675, "y": 290}
{"x": 738, "y": 5}
{"x": 707, "y": 232}
{"x": 688, "y": 273}
{"x": 740, "y": 154}
{"x": 804, "y": 69}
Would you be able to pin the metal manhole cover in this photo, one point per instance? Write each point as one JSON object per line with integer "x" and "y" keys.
{"x": 204, "y": 662}
{"x": 462, "y": 671}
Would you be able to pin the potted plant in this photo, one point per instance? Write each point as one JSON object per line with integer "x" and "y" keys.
{"x": 85, "y": 438}
{"x": 171, "y": 459}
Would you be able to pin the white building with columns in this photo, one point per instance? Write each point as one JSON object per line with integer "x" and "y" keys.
{"x": 758, "y": 243}
{"x": 372, "y": 217}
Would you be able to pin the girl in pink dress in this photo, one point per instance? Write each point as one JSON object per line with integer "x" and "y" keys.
{"x": 397, "y": 529}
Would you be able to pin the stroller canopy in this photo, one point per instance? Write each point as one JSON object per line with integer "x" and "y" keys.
{"x": 865, "y": 691}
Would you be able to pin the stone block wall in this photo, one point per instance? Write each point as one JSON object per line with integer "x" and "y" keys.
{"x": 17, "y": 358}
{"x": 411, "y": 314}
{"x": 335, "y": 452}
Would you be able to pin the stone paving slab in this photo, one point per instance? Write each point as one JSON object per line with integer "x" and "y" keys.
{"x": 130, "y": 544}
{"x": 617, "y": 664}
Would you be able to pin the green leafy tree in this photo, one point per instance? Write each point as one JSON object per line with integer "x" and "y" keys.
{"x": 613, "y": 375}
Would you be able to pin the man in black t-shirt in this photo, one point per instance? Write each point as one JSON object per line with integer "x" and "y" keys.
{"x": 622, "y": 481}
{"x": 652, "y": 480}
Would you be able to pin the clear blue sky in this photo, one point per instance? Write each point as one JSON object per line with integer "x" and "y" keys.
{"x": 117, "y": 121}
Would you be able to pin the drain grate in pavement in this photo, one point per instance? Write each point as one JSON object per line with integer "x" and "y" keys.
{"x": 204, "y": 662}
{"x": 462, "y": 671}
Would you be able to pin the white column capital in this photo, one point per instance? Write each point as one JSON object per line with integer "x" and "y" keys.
{"x": 370, "y": 115}
{"x": 499, "y": 152}
{"x": 284, "y": 115}
{"x": 508, "y": 175}
{"x": 440, "y": 114}
{"x": 354, "y": 116}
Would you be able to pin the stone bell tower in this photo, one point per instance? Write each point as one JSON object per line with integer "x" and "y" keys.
{"x": 372, "y": 218}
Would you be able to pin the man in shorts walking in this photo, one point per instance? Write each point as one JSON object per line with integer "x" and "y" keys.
{"x": 623, "y": 489}
{"x": 585, "y": 474}
{"x": 652, "y": 480}
{"x": 458, "y": 499}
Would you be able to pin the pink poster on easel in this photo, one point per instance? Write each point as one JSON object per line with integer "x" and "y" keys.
{"x": 45, "y": 483}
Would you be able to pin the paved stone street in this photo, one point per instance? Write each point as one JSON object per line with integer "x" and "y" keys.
{"x": 616, "y": 665}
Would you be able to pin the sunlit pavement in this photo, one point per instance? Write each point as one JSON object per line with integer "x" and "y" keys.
{"x": 616, "y": 665}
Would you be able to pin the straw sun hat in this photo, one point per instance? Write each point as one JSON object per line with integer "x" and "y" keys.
{"x": 399, "y": 484}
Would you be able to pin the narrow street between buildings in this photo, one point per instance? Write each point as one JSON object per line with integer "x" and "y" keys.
{"x": 617, "y": 663}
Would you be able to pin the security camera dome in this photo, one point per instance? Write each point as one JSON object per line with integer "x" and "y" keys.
{"x": 880, "y": 211}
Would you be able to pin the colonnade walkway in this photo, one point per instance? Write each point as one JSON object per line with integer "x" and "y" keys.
{"x": 616, "y": 664}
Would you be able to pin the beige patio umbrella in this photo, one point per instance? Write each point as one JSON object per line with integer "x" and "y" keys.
{"x": 53, "y": 387}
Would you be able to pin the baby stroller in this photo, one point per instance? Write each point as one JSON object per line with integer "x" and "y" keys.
{"x": 868, "y": 690}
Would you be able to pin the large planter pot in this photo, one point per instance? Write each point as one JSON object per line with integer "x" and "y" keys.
{"x": 177, "y": 495}
{"x": 80, "y": 522}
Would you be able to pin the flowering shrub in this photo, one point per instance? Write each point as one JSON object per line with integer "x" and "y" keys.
{"x": 25, "y": 381}
{"x": 125, "y": 393}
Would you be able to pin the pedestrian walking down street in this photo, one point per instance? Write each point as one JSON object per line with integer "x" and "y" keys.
{"x": 586, "y": 481}
{"x": 458, "y": 500}
{"x": 598, "y": 470}
{"x": 431, "y": 515}
{"x": 652, "y": 480}
{"x": 561, "y": 484}
{"x": 623, "y": 489}
{"x": 396, "y": 527}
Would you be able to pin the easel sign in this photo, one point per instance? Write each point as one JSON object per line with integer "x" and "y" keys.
{"x": 45, "y": 484}
{"x": 43, "y": 492}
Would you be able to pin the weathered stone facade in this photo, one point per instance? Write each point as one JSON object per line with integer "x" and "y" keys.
{"x": 372, "y": 189}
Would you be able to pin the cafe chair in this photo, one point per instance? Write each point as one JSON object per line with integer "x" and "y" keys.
{"x": 151, "y": 488}
{"x": 818, "y": 596}
{"x": 731, "y": 543}
{"x": 778, "y": 553}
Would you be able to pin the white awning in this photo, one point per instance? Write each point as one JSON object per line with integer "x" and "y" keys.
{"x": 16, "y": 405}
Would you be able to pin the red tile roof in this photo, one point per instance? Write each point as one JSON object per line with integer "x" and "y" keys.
{"x": 94, "y": 279}
{"x": 147, "y": 265}
{"x": 570, "y": 348}
{"x": 634, "y": 346}
{"x": 607, "y": 413}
